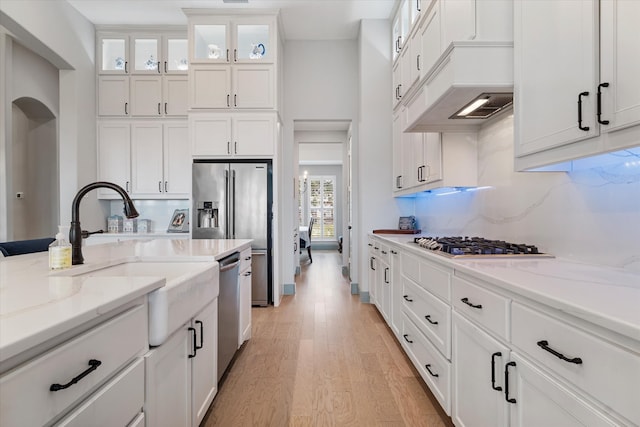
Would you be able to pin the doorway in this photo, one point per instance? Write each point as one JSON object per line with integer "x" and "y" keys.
{"x": 32, "y": 170}
{"x": 322, "y": 167}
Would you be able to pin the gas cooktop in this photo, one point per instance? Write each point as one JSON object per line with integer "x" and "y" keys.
{"x": 478, "y": 247}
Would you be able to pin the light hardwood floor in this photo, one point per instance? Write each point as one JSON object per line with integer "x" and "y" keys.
{"x": 322, "y": 358}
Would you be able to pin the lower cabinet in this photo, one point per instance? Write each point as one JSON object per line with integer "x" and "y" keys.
{"x": 181, "y": 374}
{"x": 244, "y": 331}
{"x": 478, "y": 363}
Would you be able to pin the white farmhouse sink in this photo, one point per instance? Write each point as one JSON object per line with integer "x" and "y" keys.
{"x": 189, "y": 286}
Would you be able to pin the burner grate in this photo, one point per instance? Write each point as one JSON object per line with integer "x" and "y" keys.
{"x": 477, "y": 247}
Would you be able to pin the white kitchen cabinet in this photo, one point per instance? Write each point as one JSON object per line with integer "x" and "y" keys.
{"x": 396, "y": 292}
{"x": 586, "y": 69}
{"x": 114, "y": 148}
{"x": 232, "y": 135}
{"x": 175, "y": 95}
{"x": 146, "y": 96}
{"x": 113, "y": 96}
{"x": 478, "y": 391}
{"x": 86, "y": 371}
{"x": 181, "y": 374}
{"x": 242, "y": 86}
{"x": 430, "y": 43}
{"x": 244, "y": 330}
{"x": 383, "y": 284}
{"x": 542, "y": 401}
{"x": 132, "y": 52}
{"x": 372, "y": 272}
{"x": 148, "y": 159}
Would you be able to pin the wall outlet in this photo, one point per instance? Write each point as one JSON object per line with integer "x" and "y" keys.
{"x": 20, "y": 195}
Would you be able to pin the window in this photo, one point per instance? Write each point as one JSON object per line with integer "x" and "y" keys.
{"x": 319, "y": 197}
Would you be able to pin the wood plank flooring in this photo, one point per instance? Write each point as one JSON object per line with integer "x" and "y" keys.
{"x": 322, "y": 358}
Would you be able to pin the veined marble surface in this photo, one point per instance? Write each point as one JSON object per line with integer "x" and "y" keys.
{"x": 605, "y": 296}
{"x": 590, "y": 215}
{"x": 37, "y": 304}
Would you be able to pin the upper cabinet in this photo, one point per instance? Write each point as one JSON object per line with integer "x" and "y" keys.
{"x": 238, "y": 39}
{"x": 454, "y": 52}
{"x": 576, "y": 88}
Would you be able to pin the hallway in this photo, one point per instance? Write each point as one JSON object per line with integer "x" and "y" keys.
{"x": 322, "y": 358}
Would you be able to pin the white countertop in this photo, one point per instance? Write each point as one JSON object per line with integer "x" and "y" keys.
{"x": 37, "y": 304}
{"x": 605, "y": 296}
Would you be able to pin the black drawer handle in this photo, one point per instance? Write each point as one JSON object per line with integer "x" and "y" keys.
{"x": 195, "y": 346}
{"x": 466, "y": 301}
{"x": 493, "y": 371}
{"x": 198, "y": 347}
{"x": 506, "y": 382}
{"x": 407, "y": 339}
{"x": 600, "y": 86}
{"x": 428, "y": 317}
{"x": 428, "y": 367}
{"x": 406, "y": 297}
{"x": 93, "y": 365}
{"x": 544, "y": 344}
{"x": 580, "y": 95}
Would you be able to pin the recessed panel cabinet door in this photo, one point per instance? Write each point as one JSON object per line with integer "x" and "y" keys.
{"x": 114, "y": 158}
{"x": 177, "y": 159}
{"x": 210, "y": 134}
{"x": 210, "y": 86}
{"x": 204, "y": 372}
{"x": 146, "y": 96}
{"x": 146, "y": 158}
{"x": 253, "y": 86}
{"x": 175, "y": 99}
{"x": 253, "y": 135}
{"x": 113, "y": 96}
{"x": 555, "y": 73}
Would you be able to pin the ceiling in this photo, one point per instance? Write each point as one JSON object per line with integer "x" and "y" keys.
{"x": 301, "y": 19}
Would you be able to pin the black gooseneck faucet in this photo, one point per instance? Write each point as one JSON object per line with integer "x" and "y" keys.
{"x": 75, "y": 233}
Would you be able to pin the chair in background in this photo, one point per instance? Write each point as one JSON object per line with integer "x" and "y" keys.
{"x": 21, "y": 247}
{"x": 304, "y": 244}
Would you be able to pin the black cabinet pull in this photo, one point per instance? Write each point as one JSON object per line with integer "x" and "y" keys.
{"x": 228, "y": 147}
{"x": 235, "y": 99}
{"x": 126, "y": 105}
{"x": 126, "y": 67}
{"x": 544, "y": 344}
{"x": 93, "y": 365}
{"x": 195, "y": 346}
{"x": 384, "y": 252}
{"x": 228, "y": 98}
{"x": 165, "y": 108}
{"x": 159, "y": 112}
{"x": 406, "y": 297}
{"x": 493, "y": 371}
{"x": 371, "y": 263}
{"x": 158, "y": 67}
{"x": 584, "y": 128}
{"x": 198, "y": 347}
{"x": 506, "y": 382}
{"x": 407, "y": 339}
{"x": 399, "y": 94}
{"x": 600, "y": 86}
{"x": 428, "y": 367}
{"x": 165, "y": 66}
{"x": 466, "y": 301}
{"x": 394, "y": 252}
{"x": 386, "y": 273}
{"x": 428, "y": 317}
{"x": 369, "y": 244}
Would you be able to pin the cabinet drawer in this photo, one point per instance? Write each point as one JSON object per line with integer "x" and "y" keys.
{"x": 116, "y": 404}
{"x": 434, "y": 279}
{"x": 26, "y": 395}
{"x": 434, "y": 369}
{"x": 383, "y": 252}
{"x": 488, "y": 309}
{"x": 606, "y": 372}
{"x": 245, "y": 260}
{"x": 432, "y": 316}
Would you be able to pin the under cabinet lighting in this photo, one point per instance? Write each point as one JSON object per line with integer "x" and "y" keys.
{"x": 485, "y": 105}
{"x": 473, "y": 106}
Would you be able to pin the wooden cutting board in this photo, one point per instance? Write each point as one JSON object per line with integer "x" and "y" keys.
{"x": 384, "y": 231}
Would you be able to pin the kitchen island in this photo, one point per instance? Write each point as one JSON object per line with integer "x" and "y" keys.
{"x": 507, "y": 341}
{"x": 105, "y": 312}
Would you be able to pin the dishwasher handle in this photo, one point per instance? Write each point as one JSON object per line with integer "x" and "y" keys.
{"x": 228, "y": 267}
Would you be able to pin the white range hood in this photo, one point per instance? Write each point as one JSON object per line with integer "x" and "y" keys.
{"x": 466, "y": 71}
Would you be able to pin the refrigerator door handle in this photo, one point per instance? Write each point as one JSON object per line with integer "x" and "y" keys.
{"x": 233, "y": 204}
{"x": 227, "y": 210}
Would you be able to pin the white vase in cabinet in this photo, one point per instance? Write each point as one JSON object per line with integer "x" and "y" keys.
{"x": 181, "y": 374}
{"x": 591, "y": 82}
{"x": 232, "y": 135}
{"x": 244, "y": 86}
{"x": 478, "y": 362}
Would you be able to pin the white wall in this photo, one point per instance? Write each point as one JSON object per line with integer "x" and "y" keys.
{"x": 592, "y": 215}
{"x": 372, "y": 150}
{"x": 320, "y": 83}
{"x": 57, "y": 32}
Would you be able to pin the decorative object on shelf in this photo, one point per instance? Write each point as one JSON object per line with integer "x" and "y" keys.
{"x": 119, "y": 63}
{"x": 257, "y": 51}
{"x": 130, "y": 225}
{"x": 114, "y": 224}
{"x": 407, "y": 223}
{"x": 214, "y": 51}
{"x": 179, "y": 221}
{"x": 182, "y": 64}
{"x": 144, "y": 226}
{"x": 151, "y": 64}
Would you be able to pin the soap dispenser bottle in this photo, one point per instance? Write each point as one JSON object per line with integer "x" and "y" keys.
{"x": 60, "y": 250}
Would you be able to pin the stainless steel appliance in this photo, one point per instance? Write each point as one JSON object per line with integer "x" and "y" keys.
{"x": 233, "y": 200}
{"x": 478, "y": 247}
{"x": 228, "y": 311}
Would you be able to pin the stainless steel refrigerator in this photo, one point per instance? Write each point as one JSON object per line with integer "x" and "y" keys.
{"x": 233, "y": 200}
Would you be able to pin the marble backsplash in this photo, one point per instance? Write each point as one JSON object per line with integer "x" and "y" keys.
{"x": 590, "y": 215}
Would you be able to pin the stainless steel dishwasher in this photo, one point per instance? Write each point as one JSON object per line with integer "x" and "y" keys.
{"x": 228, "y": 311}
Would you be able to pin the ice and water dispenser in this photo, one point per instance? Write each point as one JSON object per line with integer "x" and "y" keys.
{"x": 207, "y": 214}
